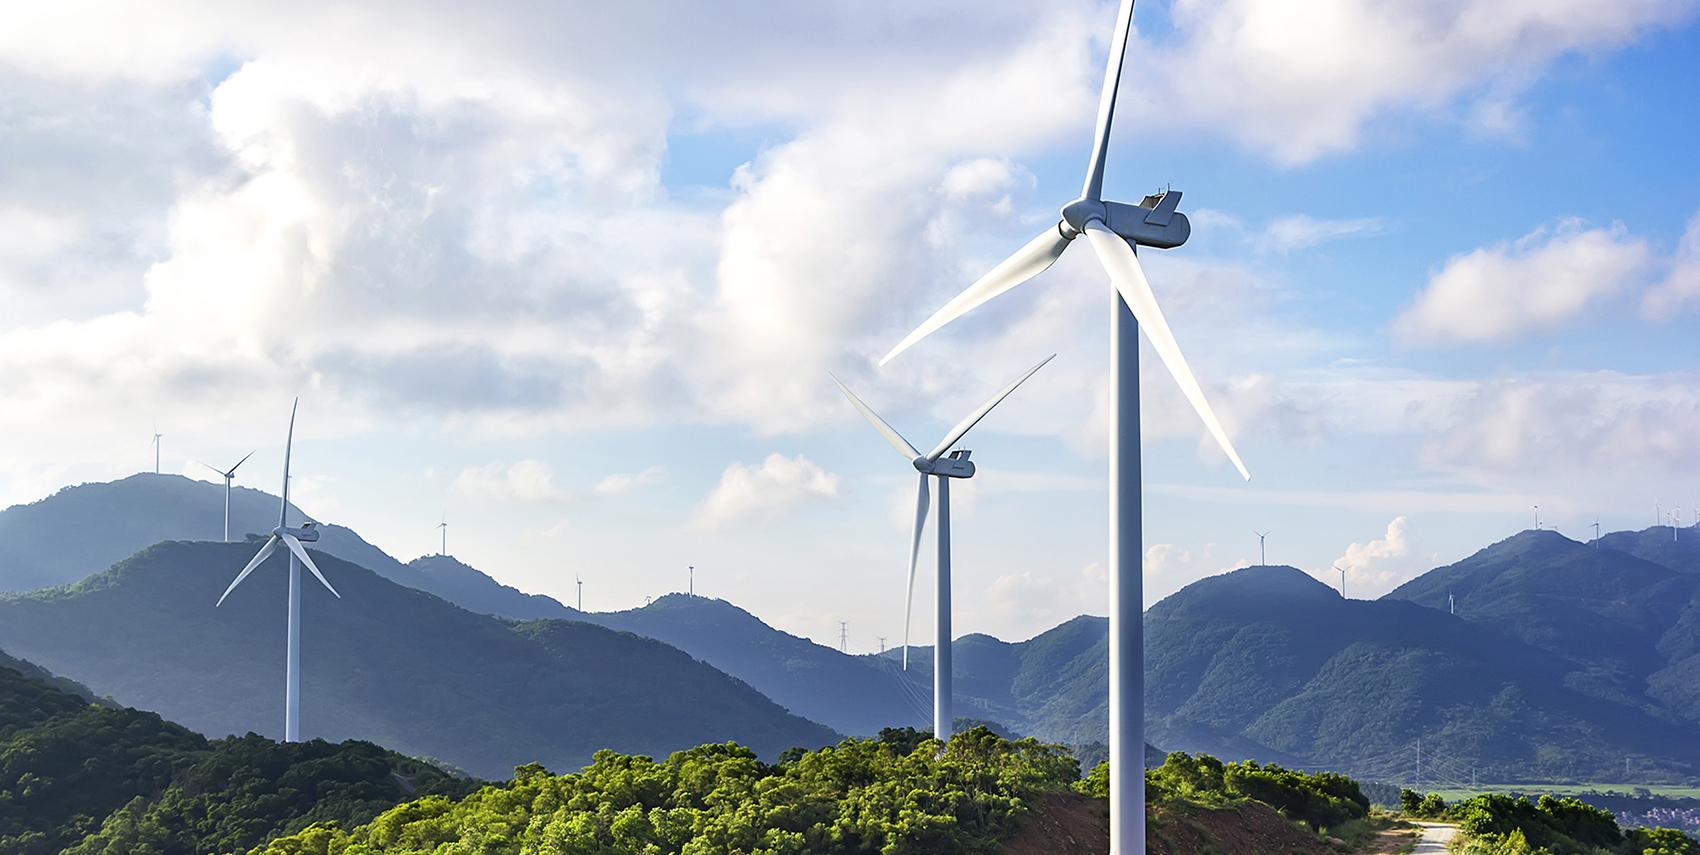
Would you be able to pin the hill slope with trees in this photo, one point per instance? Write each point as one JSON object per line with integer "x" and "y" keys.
{"x": 384, "y": 663}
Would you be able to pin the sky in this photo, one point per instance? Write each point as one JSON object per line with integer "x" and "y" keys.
{"x": 572, "y": 277}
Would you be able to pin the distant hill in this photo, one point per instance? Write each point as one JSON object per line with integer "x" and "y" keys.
{"x": 386, "y": 663}
{"x": 1268, "y": 660}
{"x": 853, "y": 694}
{"x": 87, "y": 528}
{"x": 1628, "y": 626}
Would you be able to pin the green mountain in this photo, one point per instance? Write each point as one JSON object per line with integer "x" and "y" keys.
{"x": 1270, "y": 660}
{"x": 384, "y": 663}
{"x": 85, "y": 529}
{"x": 83, "y": 778}
{"x": 1678, "y": 549}
{"x": 851, "y": 694}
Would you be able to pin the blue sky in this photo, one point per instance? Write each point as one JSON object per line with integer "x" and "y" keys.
{"x": 576, "y": 280}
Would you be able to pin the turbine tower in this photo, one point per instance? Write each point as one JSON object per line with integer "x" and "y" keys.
{"x": 228, "y": 475}
{"x": 444, "y": 528}
{"x": 943, "y": 468}
{"x": 1596, "y": 532}
{"x": 578, "y": 579}
{"x": 1537, "y": 518}
{"x": 1262, "y": 560}
{"x": 692, "y": 570}
{"x": 156, "y": 437}
{"x": 1113, "y": 229}
{"x": 291, "y": 538}
{"x": 1342, "y": 580}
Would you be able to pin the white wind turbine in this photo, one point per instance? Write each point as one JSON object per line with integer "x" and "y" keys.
{"x": 936, "y": 464}
{"x": 156, "y": 438}
{"x": 291, "y": 538}
{"x": 1113, "y": 229}
{"x": 228, "y": 475}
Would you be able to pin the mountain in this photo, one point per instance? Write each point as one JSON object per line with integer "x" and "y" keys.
{"x": 385, "y": 663}
{"x": 1678, "y": 549}
{"x": 852, "y": 694}
{"x": 82, "y": 778}
{"x": 1270, "y": 659}
{"x": 87, "y": 528}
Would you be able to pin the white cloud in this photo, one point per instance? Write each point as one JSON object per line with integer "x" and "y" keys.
{"x": 1301, "y": 231}
{"x": 1536, "y": 283}
{"x": 522, "y": 480}
{"x": 1680, "y": 289}
{"x": 1377, "y": 566}
{"x": 1302, "y": 80}
{"x": 625, "y": 482}
{"x": 1044, "y": 599}
{"x": 764, "y": 490}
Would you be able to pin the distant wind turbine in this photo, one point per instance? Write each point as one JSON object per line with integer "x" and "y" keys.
{"x": 1262, "y": 559}
{"x": 291, "y": 538}
{"x": 1451, "y": 604}
{"x": 1596, "y": 532}
{"x": 943, "y": 468}
{"x": 1342, "y": 580}
{"x": 1537, "y": 518}
{"x": 692, "y": 570}
{"x": 228, "y": 475}
{"x": 444, "y": 527}
{"x": 580, "y": 580}
{"x": 156, "y": 437}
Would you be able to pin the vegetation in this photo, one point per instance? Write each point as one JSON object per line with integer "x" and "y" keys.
{"x": 1500, "y": 824}
{"x": 83, "y": 778}
{"x": 896, "y": 795}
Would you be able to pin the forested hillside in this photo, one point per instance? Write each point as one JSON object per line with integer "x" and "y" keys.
{"x": 83, "y": 778}
{"x": 384, "y": 663}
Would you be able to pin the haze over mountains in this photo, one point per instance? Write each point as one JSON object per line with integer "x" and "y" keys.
{"x": 1562, "y": 661}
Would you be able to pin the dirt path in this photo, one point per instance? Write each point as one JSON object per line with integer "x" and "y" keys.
{"x": 1435, "y": 838}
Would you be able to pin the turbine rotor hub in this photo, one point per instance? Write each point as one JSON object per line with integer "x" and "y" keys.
{"x": 1076, "y": 214}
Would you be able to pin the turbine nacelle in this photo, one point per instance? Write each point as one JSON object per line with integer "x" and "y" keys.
{"x": 955, "y": 465}
{"x": 1153, "y": 222}
{"x": 307, "y": 533}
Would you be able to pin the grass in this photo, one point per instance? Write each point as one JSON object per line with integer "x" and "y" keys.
{"x": 1672, "y": 791}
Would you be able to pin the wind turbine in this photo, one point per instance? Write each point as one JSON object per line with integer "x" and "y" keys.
{"x": 1596, "y": 532}
{"x": 580, "y": 581}
{"x": 228, "y": 475}
{"x": 156, "y": 437}
{"x": 1537, "y": 518}
{"x": 291, "y": 538}
{"x": 444, "y": 526}
{"x": 692, "y": 570}
{"x": 1342, "y": 580}
{"x": 943, "y": 468}
{"x": 1113, "y": 229}
{"x": 1261, "y": 558}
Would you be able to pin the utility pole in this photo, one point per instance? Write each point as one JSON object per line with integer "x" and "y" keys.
{"x": 882, "y": 645}
{"x": 843, "y": 636}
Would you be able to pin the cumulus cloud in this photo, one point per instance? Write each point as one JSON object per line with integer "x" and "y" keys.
{"x": 1679, "y": 291}
{"x": 1302, "y": 81}
{"x": 1538, "y": 282}
{"x": 764, "y": 490}
{"x": 522, "y": 480}
{"x": 1045, "y": 599}
{"x": 1379, "y": 565}
{"x": 625, "y": 482}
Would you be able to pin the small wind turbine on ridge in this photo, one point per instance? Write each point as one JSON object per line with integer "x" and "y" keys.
{"x": 1342, "y": 580}
{"x": 228, "y": 475}
{"x": 1262, "y": 559}
{"x": 444, "y": 526}
{"x": 934, "y": 463}
{"x": 156, "y": 437}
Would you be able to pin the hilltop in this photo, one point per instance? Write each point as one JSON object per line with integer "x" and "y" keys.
{"x": 385, "y": 663}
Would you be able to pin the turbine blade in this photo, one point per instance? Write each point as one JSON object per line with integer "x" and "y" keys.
{"x": 295, "y": 547}
{"x": 1094, "y": 187}
{"x": 213, "y": 468}
{"x": 922, "y": 499}
{"x": 890, "y": 433}
{"x": 288, "y": 446}
{"x": 232, "y": 472}
{"x": 259, "y": 558}
{"x": 1027, "y": 262}
{"x": 1122, "y": 264}
{"x": 974, "y": 418}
